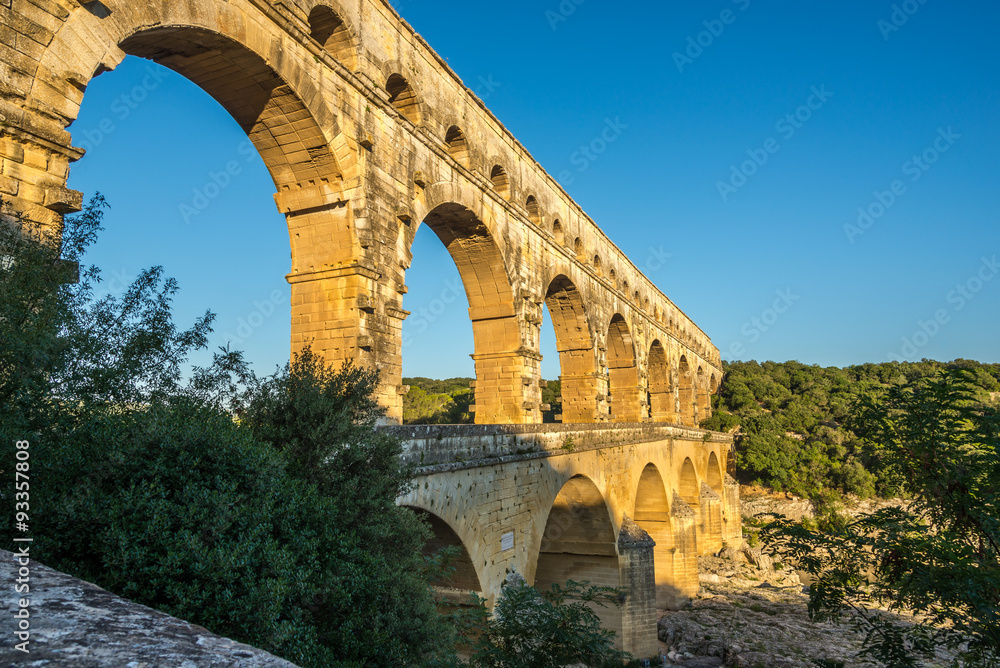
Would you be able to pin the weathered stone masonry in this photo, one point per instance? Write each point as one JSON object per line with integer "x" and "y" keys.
{"x": 368, "y": 134}
{"x": 629, "y": 505}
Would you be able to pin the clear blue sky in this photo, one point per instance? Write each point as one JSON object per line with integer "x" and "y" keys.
{"x": 786, "y": 236}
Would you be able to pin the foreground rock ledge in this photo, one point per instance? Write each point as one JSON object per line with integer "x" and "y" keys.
{"x": 75, "y": 623}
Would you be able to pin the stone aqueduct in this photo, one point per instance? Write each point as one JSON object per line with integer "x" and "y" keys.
{"x": 368, "y": 134}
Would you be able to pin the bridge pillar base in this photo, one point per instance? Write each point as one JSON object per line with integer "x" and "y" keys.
{"x": 711, "y": 521}
{"x": 685, "y": 521}
{"x": 507, "y": 388}
{"x": 579, "y": 398}
{"x": 337, "y": 313}
{"x": 732, "y": 519}
{"x": 637, "y": 572}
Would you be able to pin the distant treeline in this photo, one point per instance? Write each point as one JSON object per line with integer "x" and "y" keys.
{"x": 793, "y": 427}
{"x": 438, "y": 401}
{"x": 448, "y": 401}
{"x": 792, "y": 421}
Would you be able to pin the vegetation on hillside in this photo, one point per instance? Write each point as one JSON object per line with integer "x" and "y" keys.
{"x": 792, "y": 422}
{"x": 938, "y": 557}
{"x": 438, "y": 401}
{"x": 448, "y": 401}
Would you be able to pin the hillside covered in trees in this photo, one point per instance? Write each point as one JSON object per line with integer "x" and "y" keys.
{"x": 791, "y": 420}
{"x": 794, "y": 429}
{"x": 448, "y": 401}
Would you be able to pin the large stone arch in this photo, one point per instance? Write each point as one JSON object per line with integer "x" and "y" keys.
{"x": 662, "y": 404}
{"x": 652, "y": 514}
{"x": 269, "y": 88}
{"x": 191, "y": 42}
{"x": 579, "y": 543}
{"x": 575, "y": 344}
{"x": 290, "y": 140}
{"x": 467, "y": 232}
{"x": 623, "y": 373}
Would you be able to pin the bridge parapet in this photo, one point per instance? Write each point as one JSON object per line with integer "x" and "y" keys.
{"x": 451, "y": 447}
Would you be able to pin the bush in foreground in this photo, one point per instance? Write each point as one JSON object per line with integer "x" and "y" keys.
{"x": 559, "y": 627}
{"x": 283, "y": 534}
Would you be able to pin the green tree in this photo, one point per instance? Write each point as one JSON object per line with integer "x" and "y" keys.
{"x": 555, "y": 628}
{"x": 323, "y": 422}
{"x": 438, "y": 401}
{"x": 938, "y": 558}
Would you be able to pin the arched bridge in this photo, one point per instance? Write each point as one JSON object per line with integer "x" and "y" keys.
{"x": 368, "y": 134}
{"x": 630, "y": 506}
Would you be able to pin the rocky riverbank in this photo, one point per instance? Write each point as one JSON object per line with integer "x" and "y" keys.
{"x": 752, "y": 613}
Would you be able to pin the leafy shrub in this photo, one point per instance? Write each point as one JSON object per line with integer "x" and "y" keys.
{"x": 279, "y": 529}
{"x": 559, "y": 627}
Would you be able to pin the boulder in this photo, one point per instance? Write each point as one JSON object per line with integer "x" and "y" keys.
{"x": 757, "y": 557}
{"x": 732, "y": 554}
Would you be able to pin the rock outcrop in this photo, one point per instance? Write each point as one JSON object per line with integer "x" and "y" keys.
{"x": 75, "y": 623}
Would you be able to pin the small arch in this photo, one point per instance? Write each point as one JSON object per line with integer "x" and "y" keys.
{"x": 597, "y": 265}
{"x": 578, "y": 248}
{"x": 689, "y": 489}
{"x": 332, "y": 33}
{"x": 635, "y": 297}
{"x": 403, "y": 98}
{"x": 501, "y": 183}
{"x": 534, "y": 213}
{"x": 645, "y": 304}
{"x": 714, "y": 474}
{"x": 651, "y": 503}
{"x": 458, "y": 146}
{"x": 557, "y": 232}
{"x": 464, "y": 575}
{"x": 625, "y": 285}
{"x": 613, "y": 275}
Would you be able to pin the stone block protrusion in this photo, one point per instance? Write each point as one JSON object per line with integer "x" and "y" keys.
{"x": 63, "y": 200}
